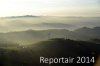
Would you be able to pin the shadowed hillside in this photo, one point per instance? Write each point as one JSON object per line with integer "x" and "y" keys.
{"x": 33, "y": 36}
{"x": 53, "y": 48}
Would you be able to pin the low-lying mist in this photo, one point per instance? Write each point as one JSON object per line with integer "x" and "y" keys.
{"x": 44, "y": 23}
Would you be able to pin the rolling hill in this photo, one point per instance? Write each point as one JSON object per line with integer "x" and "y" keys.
{"x": 33, "y": 36}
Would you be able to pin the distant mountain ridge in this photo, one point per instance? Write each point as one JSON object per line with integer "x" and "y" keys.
{"x": 31, "y": 36}
{"x": 51, "y": 16}
{"x": 24, "y": 16}
{"x": 54, "y": 25}
{"x": 89, "y": 31}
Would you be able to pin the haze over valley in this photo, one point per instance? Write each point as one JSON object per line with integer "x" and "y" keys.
{"x": 21, "y": 23}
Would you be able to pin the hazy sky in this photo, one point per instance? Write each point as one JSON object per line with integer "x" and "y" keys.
{"x": 50, "y": 7}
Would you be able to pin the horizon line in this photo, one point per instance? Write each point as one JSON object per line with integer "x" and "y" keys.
{"x": 43, "y": 16}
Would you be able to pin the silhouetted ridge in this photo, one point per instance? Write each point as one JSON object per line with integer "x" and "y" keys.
{"x": 24, "y": 16}
{"x": 53, "y": 48}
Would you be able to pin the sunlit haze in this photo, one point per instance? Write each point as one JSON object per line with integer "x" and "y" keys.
{"x": 50, "y": 7}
